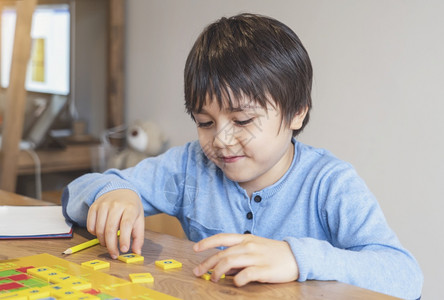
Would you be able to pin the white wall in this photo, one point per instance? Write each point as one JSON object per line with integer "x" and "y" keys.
{"x": 378, "y": 95}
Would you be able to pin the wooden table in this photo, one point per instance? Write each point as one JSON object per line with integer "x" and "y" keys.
{"x": 181, "y": 282}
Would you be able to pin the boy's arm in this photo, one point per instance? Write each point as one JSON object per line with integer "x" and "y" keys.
{"x": 103, "y": 202}
{"x": 362, "y": 249}
{"x": 147, "y": 179}
{"x": 104, "y": 208}
{"x": 388, "y": 271}
{"x": 80, "y": 194}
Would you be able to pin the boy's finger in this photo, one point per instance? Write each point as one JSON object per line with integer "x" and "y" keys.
{"x": 100, "y": 226}
{"x": 112, "y": 225}
{"x": 253, "y": 273}
{"x": 138, "y": 235}
{"x": 111, "y": 241}
{"x": 128, "y": 222}
{"x": 224, "y": 261}
{"x": 91, "y": 221}
{"x": 220, "y": 240}
{"x": 125, "y": 237}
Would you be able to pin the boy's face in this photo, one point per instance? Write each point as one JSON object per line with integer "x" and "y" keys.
{"x": 248, "y": 143}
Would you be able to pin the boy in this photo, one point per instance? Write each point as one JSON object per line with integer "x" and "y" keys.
{"x": 281, "y": 210}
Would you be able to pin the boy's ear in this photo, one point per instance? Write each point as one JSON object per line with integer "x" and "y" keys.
{"x": 298, "y": 119}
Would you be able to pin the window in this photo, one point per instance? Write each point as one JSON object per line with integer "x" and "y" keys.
{"x": 49, "y": 63}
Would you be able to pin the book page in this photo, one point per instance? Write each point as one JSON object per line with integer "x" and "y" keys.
{"x": 27, "y": 221}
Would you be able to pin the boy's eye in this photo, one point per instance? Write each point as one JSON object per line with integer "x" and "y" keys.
{"x": 204, "y": 124}
{"x": 245, "y": 122}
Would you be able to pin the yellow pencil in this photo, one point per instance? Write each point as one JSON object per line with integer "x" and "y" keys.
{"x": 84, "y": 245}
{"x": 81, "y": 246}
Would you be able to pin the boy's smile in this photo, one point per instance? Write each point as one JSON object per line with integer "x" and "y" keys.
{"x": 230, "y": 159}
{"x": 249, "y": 143}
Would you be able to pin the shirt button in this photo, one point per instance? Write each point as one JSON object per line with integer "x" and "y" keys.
{"x": 249, "y": 215}
{"x": 257, "y": 199}
{"x": 247, "y": 232}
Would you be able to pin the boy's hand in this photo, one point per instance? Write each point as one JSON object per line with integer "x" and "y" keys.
{"x": 119, "y": 209}
{"x": 256, "y": 259}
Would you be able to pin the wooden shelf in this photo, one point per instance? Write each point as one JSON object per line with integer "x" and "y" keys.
{"x": 72, "y": 158}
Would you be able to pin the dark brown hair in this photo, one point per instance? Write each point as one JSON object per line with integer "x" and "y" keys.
{"x": 250, "y": 55}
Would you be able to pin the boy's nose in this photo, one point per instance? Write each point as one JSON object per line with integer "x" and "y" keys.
{"x": 225, "y": 136}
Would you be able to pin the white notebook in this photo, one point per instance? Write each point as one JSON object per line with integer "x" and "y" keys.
{"x": 17, "y": 222}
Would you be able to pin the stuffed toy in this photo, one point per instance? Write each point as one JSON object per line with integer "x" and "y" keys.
{"x": 143, "y": 139}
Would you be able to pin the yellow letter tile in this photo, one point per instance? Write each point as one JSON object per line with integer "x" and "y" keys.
{"x": 77, "y": 284}
{"x": 34, "y": 293}
{"x": 12, "y": 296}
{"x": 141, "y": 277}
{"x": 39, "y": 271}
{"x": 96, "y": 264}
{"x": 130, "y": 258}
{"x": 207, "y": 275}
{"x": 83, "y": 297}
{"x": 60, "y": 291}
{"x": 168, "y": 264}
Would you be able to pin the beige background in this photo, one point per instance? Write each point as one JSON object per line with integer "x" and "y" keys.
{"x": 378, "y": 95}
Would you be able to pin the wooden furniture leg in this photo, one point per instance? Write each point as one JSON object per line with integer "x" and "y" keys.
{"x": 16, "y": 96}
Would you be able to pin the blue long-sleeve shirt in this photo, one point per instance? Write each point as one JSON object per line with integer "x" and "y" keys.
{"x": 321, "y": 207}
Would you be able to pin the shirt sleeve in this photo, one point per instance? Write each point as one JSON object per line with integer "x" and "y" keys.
{"x": 361, "y": 249}
{"x": 153, "y": 179}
